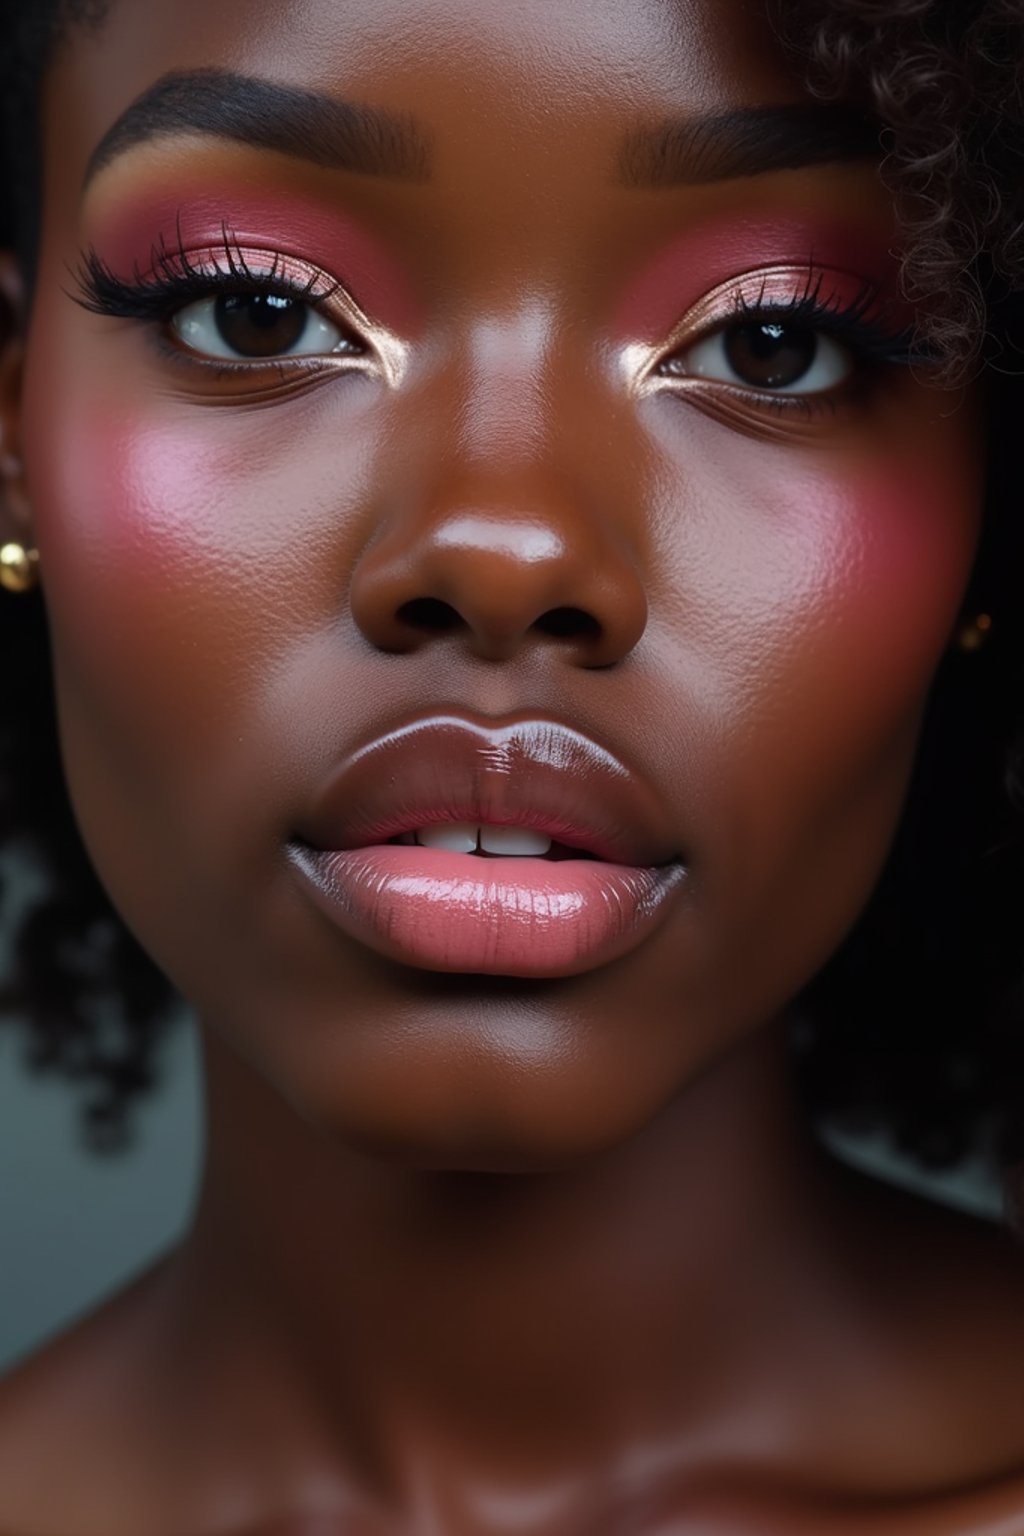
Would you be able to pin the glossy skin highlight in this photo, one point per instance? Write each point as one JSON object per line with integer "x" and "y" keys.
{"x": 459, "y": 1262}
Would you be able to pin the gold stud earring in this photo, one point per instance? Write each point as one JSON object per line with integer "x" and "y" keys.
{"x": 19, "y": 567}
{"x": 975, "y": 633}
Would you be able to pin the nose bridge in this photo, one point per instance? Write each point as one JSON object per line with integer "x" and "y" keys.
{"x": 506, "y": 408}
{"x": 503, "y": 539}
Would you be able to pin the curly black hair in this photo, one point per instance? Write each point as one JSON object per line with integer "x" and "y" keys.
{"x": 917, "y": 1023}
{"x": 93, "y": 1005}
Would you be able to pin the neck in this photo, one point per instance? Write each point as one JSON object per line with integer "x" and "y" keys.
{"x": 505, "y": 1318}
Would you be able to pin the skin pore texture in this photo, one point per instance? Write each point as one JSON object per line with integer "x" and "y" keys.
{"x": 497, "y": 1254}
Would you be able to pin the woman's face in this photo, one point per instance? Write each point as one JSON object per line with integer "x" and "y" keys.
{"x": 547, "y": 456}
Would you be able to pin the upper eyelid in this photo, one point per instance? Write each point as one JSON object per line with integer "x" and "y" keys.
{"x": 245, "y": 263}
{"x": 779, "y": 287}
{"x": 254, "y": 263}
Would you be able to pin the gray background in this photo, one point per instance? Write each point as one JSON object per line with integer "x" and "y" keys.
{"x": 74, "y": 1226}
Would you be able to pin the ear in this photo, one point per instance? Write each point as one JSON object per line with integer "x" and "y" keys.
{"x": 15, "y": 506}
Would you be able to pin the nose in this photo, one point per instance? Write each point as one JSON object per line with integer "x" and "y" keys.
{"x": 497, "y": 575}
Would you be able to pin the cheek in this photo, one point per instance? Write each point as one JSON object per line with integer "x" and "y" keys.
{"x": 135, "y": 545}
{"x": 186, "y": 553}
{"x": 871, "y": 562}
{"x": 195, "y": 564}
{"x": 886, "y": 550}
{"x": 834, "y": 592}
{"x": 788, "y": 570}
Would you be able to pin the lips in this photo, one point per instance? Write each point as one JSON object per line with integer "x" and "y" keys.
{"x": 507, "y": 915}
{"x": 536, "y": 774}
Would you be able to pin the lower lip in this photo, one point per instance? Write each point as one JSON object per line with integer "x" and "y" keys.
{"x": 491, "y": 917}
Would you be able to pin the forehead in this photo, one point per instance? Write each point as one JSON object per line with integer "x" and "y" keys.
{"x": 529, "y": 70}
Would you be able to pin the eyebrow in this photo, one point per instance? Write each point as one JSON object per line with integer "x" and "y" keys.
{"x": 748, "y": 141}
{"x": 250, "y": 110}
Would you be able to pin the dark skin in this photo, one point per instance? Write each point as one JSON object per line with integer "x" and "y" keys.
{"x": 473, "y": 1254}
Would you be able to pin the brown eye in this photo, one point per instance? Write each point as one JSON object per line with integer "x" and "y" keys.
{"x": 260, "y": 324}
{"x": 770, "y": 355}
{"x": 766, "y": 355}
{"x": 259, "y": 327}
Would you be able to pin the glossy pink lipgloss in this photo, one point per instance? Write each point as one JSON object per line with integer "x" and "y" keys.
{"x": 514, "y": 916}
{"x": 367, "y": 848}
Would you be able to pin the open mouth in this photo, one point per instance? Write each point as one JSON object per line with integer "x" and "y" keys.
{"x": 401, "y": 850}
{"x": 490, "y": 842}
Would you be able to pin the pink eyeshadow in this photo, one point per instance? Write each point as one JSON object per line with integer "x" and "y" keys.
{"x": 694, "y": 262}
{"x": 125, "y": 238}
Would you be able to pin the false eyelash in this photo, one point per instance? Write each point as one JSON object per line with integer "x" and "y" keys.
{"x": 843, "y": 320}
{"x": 177, "y": 281}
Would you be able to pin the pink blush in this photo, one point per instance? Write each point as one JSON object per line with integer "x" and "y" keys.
{"x": 906, "y": 536}
{"x": 684, "y": 271}
{"x": 125, "y": 238}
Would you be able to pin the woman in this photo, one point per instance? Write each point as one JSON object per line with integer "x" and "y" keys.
{"x": 447, "y": 431}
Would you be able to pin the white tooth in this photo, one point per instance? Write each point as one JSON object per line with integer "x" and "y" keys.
{"x": 453, "y": 836}
{"x": 513, "y": 841}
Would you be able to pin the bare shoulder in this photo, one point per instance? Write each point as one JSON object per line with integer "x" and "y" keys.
{"x": 75, "y": 1419}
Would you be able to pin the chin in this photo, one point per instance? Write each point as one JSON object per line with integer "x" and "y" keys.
{"x": 454, "y": 1115}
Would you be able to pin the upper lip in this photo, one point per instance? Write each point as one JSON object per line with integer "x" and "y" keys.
{"x": 527, "y": 773}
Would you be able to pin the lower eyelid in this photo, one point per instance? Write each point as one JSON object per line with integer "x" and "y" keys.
{"x": 269, "y": 372}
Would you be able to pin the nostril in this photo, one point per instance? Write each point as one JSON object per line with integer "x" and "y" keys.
{"x": 429, "y": 614}
{"x": 569, "y": 622}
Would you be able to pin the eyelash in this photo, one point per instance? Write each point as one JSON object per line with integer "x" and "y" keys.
{"x": 873, "y": 345}
{"x": 177, "y": 282}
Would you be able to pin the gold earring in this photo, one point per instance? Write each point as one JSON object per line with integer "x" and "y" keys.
{"x": 975, "y": 633}
{"x": 19, "y": 567}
